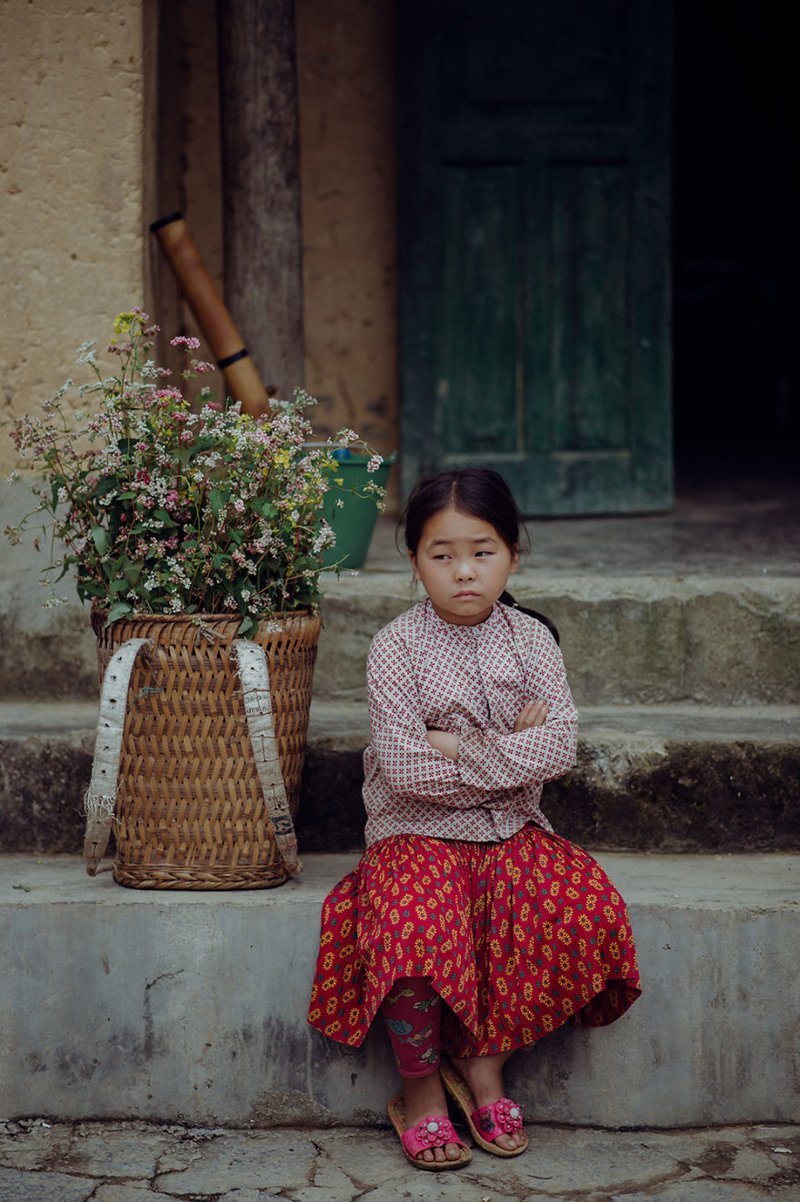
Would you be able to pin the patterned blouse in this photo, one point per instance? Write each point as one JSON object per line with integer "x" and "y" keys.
{"x": 425, "y": 673}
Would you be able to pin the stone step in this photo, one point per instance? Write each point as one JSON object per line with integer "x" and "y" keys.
{"x": 698, "y": 605}
{"x": 626, "y": 640}
{"x": 665, "y": 778}
{"x": 668, "y": 778}
{"x": 98, "y": 982}
{"x": 650, "y": 640}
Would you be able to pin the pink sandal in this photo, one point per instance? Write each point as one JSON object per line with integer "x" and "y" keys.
{"x": 486, "y": 1122}
{"x": 434, "y": 1131}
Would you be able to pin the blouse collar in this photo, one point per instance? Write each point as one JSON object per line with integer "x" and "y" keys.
{"x": 462, "y": 631}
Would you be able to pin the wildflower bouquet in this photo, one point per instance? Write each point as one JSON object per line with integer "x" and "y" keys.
{"x": 163, "y": 507}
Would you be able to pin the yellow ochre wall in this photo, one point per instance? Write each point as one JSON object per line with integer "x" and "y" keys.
{"x": 79, "y": 192}
{"x": 347, "y": 140}
{"x": 71, "y": 112}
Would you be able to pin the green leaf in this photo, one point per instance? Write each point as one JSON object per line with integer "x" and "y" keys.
{"x": 164, "y": 518}
{"x": 100, "y": 539}
{"x": 132, "y": 573}
{"x": 118, "y": 611}
{"x": 90, "y": 588}
{"x": 264, "y": 508}
{"x": 204, "y": 443}
{"x": 118, "y": 586}
{"x": 106, "y": 484}
{"x": 219, "y": 498}
{"x": 69, "y": 560}
{"x": 249, "y": 624}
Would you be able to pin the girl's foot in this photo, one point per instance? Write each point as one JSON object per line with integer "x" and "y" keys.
{"x": 425, "y": 1096}
{"x": 484, "y": 1076}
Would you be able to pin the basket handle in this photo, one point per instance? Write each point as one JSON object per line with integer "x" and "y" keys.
{"x": 254, "y": 678}
{"x": 101, "y": 795}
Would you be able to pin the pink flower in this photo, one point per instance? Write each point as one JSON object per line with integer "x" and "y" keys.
{"x": 191, "y": 344}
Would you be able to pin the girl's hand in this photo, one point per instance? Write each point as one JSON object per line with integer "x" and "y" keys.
{"x": 445, "y": 741}
{"x": 533, "y": 714}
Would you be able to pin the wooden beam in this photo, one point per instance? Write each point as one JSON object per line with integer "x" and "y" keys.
{"x": 261, "y": 185}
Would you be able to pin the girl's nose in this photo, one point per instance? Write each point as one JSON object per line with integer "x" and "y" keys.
{"x": 465, "y": 569}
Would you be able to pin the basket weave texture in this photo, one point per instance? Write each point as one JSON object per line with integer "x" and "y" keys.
{"x": 190, "y": 812}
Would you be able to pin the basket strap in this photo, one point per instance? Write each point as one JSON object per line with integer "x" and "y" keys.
{"x": 254, "y": 677}
{"x": 101, "y": 795}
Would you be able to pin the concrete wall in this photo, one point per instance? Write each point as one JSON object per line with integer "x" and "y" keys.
{"x": 71, "y": 96}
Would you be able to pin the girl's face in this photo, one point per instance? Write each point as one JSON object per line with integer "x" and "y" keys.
{"x": 463, "y": 564}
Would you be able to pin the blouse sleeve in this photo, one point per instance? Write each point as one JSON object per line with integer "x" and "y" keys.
{"x": 492, "y": 760}
{"x": 410, "y": 765}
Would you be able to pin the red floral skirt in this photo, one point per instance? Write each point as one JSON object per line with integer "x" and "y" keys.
{"x": 517, "y": 937}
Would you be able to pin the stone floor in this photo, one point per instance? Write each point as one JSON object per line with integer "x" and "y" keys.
{"x": 133, "y": 1162}
{"x": 745, "y": 527}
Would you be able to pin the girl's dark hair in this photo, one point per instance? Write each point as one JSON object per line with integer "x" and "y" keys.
{"x": 479, "y": 492}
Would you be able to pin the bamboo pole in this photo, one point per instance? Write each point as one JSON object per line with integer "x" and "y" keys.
{"x": 242, "y": 380}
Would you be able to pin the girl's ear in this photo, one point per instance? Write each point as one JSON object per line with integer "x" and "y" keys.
{"x": 514, "y": 560}
{"x": 412, "y": 559}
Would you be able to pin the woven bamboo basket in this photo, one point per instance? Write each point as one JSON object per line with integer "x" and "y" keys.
{"x": 190, "y": 811}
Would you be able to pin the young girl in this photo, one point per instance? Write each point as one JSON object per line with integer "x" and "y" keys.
{"x": 468, "y": 925}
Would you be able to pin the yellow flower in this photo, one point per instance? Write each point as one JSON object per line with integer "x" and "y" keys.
{"x": 123, "y": 322}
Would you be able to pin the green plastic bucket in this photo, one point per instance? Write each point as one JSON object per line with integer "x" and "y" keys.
{"x": 353, "y": 520}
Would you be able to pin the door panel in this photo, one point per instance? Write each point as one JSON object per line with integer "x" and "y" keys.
{"x": 481, "y": 326}
{"x": 534, "y": 254}
{"x": 588, "y": 231}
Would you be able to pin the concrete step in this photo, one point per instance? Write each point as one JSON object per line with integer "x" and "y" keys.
{"x": 668, "y": 778}
{"x": 663, "y": 778}
{"x": 99, "y": 981}
{"x": 698, "y": 605}
{"x": 626, "y": 640}
{"x": 647, "y": 640}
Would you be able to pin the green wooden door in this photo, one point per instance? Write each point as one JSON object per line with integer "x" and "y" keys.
{"x": 534, "y": 247}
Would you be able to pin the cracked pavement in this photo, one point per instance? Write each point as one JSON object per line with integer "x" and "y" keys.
{"x": 43, "y": 1161}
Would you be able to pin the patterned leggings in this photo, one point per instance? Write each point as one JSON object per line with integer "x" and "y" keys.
{"x": 412, "y": 1013}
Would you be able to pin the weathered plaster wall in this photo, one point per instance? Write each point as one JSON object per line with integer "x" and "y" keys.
{"x": 345, "y": 65}
{"x": 347, "y": 145}
{"x": 71, "y": 171}
{"x": 77, "y": 200}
